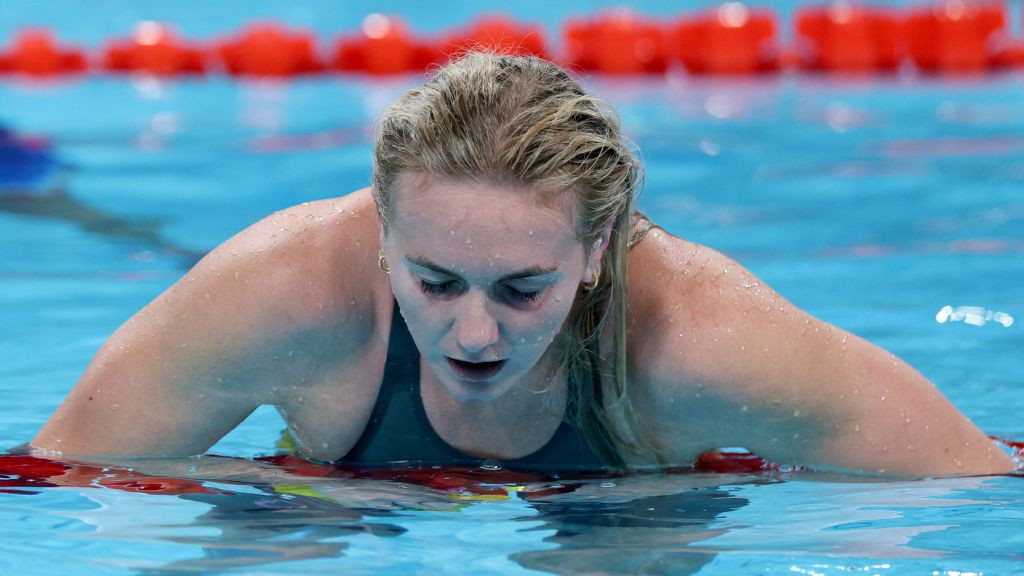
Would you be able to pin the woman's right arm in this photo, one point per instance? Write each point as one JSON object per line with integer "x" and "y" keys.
{"x": 255, "y": 315}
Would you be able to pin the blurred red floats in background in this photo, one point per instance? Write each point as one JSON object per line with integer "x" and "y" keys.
{"x": 384, "y": 45}
{"x": 847, "y": 37}
{"x": 36, "y": 52}
{"x": 615, "y": 42}
{"x": 267, "y": 49}
{"x": 154, "y": 48}
{"x": 730, "y": 39}
{"x": 948, "y": 36}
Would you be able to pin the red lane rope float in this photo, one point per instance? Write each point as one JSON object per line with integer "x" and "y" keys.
{"x": 845, "y": 37}
{"x": 958, "y": 36}
{"x": 20, "y": 472}
{"x": 384, "y": 45}
{"x": 154, "y": 49}
{"x": 269, "y": 50}
{"x": 732, "y": 462}
{"x": 496, "y": 32}
{"x": 616, "y": 42}
{"x": 36, "y": 52}
{"x": 730, "y": 39}
{"x": 948, "y": 36}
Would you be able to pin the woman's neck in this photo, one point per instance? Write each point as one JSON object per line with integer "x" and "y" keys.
{"x": 513, "y": 425}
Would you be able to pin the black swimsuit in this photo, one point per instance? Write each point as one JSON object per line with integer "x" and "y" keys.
{"x": 399, "y": 432}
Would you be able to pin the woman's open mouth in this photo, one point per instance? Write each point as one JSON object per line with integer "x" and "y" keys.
{"x": 476, "y": 371}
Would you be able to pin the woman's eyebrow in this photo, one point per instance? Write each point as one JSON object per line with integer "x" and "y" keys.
{"x": 528, "y": 272}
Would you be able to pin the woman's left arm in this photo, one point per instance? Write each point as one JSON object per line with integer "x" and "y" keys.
{"x": 721, "y": 360}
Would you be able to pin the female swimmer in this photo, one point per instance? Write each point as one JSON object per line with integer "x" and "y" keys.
{"x": 493, "y": 295}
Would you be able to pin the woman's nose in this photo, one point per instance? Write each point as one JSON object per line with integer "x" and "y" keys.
{"x": 475, "y": 328}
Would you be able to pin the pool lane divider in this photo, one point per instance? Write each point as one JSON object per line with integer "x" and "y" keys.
{"x": 946, "y": 37}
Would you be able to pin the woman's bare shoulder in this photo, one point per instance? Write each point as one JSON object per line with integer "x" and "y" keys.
{"x": 290, "y": 302}
{"x": 676, "y": 284}
{"x": 308, "y": 262}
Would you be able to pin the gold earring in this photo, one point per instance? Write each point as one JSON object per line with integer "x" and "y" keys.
{"x": 382, "y": 262}
{"x": 588, "y": 286}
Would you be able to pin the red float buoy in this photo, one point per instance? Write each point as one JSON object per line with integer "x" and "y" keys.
{"x": 731, "y": 461}
{"x": 847, "y": 37}
{"x": 270, "y": 50}
{"x": 617, "y": 42}
{"x": 957, "y": 36}
{"x": 384, "y": 45}
{"x": 730, "y": 39}
{"x": 497, "y": 33}
{"x": 36, "y": 52}
{"x": 154, "y": 48}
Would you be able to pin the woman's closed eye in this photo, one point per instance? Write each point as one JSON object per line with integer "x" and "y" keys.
{"x": 518, "y": 296}
{"x": 439, "y": 288}
{"x": 511, "y": 294}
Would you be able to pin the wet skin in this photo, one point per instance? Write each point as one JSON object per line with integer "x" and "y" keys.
{"x": 485, "y": 277}
{"x": 294, "y": 312}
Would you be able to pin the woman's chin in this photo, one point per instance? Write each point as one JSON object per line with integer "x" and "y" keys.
{"x": 475, "y": 390}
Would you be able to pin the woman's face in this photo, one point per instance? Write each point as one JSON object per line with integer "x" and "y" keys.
{"x": 485, "y": 276}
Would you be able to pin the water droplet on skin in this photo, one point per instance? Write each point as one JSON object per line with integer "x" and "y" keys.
{"x": 796, "y": 413}
{"x": 490, "y": 465}
{"x": 959, "y": 463}
{"x": 469, "y": 241}
{"x": 856, "y": 427}
{"x": 744, "y": 408}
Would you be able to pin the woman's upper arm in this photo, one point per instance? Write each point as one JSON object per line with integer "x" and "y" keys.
{"x": 196, "y": 361}
{"x": 738, "y": 365}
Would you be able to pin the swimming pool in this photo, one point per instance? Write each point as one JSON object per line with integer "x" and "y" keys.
{"x": 873, "y": 203}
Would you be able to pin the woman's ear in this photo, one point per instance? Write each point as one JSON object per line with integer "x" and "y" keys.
{"x": 597, "y": 252}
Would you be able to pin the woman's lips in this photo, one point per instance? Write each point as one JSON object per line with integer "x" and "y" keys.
{"x": 476, "y": 371}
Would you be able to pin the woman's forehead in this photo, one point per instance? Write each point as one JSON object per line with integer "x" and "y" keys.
{"x": 463, "y": 223}
{"x": 418, "y": 196}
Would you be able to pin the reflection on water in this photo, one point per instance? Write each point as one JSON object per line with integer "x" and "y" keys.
{"x": 59, "y": 205}
{"x": 212, "y": 514}
{"x": 644, "y": 535}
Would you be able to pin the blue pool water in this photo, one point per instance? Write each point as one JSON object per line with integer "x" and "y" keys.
{"x": 873, "y": 203}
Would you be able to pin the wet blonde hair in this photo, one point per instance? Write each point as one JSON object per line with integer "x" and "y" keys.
{"x": 523, "y": 121}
